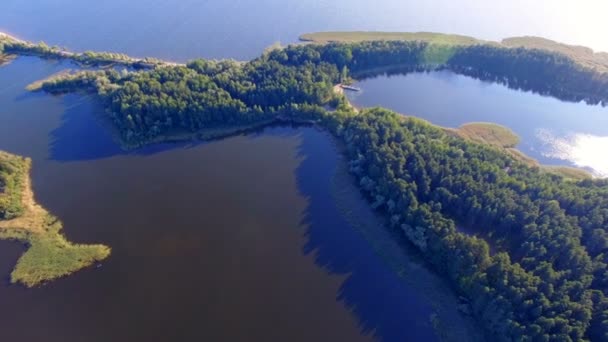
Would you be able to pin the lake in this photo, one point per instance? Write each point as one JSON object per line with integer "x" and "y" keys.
{"x": 552, "y": 131}
{"x": 187, "y": 29}
{"x": 240, "y": 239}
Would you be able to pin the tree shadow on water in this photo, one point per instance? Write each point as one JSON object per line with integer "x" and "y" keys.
{"x": 83, "y": 134}
{"x": 382, "y": 302}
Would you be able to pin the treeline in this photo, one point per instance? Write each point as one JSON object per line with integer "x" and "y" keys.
{"x": 543, "y": 72}
{"x": 88, "y": 58}
{"x": 12, "y": 173}
{"x": 205, "y": 94}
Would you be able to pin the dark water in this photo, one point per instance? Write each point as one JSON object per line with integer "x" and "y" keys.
{"x": 233, "y": 240}
{"x": 551, "y": 131}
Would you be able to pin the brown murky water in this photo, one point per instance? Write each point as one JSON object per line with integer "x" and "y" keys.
{"x": 207, "y": 241}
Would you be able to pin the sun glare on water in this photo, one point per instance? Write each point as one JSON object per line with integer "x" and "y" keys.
{"x": 584, "y": 150}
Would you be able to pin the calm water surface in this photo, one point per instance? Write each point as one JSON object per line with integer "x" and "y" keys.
{"x": 233, "y": 240}
{"x": 551, "y": 131}
{"x": 240, "y": 29}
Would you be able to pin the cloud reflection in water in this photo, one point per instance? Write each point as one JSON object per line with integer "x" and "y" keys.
{"x": 583, "y": 150}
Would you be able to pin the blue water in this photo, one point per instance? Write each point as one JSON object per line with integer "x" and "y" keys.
{"x": 551, "y": 131}
{"x": 66, "y": 137}
{"x": 187, "y": 29}
{"x": 384, "y": 305}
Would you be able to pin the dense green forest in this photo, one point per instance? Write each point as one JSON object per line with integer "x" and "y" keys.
{"x": 534, "y": 259}
{"x": 12, "y": 172}
{"x": 538, "y": 271}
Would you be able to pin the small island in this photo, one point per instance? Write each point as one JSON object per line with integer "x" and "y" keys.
{"x": 49, "y": 255}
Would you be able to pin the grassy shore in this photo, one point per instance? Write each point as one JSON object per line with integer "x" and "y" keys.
{"x": 50, "y": 255}
{"x": 583, "y": 56}
{"x": 502, "y": 137}
{"x": 488, "y": 133}
{"x": 359, "y": 36}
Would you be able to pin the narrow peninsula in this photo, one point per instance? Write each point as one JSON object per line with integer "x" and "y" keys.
{"x": 49, "y": 255}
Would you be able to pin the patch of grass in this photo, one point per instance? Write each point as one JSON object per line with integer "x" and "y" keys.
{"x": 360, "y": 36}
{"x": 50, "y": 255}
{"x": 570, "y": 173}
{"x": 503, "y": 138}
{"x": 489, "y": 133}
{"x": 583, "y": 56}
{"x": 522, "y": 157}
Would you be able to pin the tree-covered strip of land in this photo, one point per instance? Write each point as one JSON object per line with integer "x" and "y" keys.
{"x": 584, "y": 56}
{"x": 12, "y": 46}
{"x": 527, "y": 248}
{"x": 209, "y": 94}
{"x": 49, "y": 255}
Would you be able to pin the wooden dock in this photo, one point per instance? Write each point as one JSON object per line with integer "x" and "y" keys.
{"x": 351, "y": 88}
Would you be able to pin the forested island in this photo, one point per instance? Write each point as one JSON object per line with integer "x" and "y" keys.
{"x": 49, "y": 254}
{"x": 527, "y": 248}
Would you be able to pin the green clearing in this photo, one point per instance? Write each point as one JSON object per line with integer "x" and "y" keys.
{"x": 583, "y": 56}
{"x": 489, "y": 133}
{"x": 361, "y": 36}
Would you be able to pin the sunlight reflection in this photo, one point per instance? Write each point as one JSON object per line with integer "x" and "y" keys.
{"x": 584, "y": 150}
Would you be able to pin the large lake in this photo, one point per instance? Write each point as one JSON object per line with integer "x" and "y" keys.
{"x": 234, "y": 240}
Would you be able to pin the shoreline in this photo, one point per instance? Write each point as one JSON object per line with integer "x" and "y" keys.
{"x": 28, "y": 48}
{"x": 448, "y": 320}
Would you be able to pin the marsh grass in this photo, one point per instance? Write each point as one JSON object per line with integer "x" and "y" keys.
{"x": 583, "y": 56}
{"x": 360, "y": 36}
{"x": 489, "y": 133}
{"x": 503, "y": 138}
{"x": 49, "y": 255}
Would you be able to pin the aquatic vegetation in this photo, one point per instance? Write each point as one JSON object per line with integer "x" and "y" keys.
{"x": 49, "y": 255}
